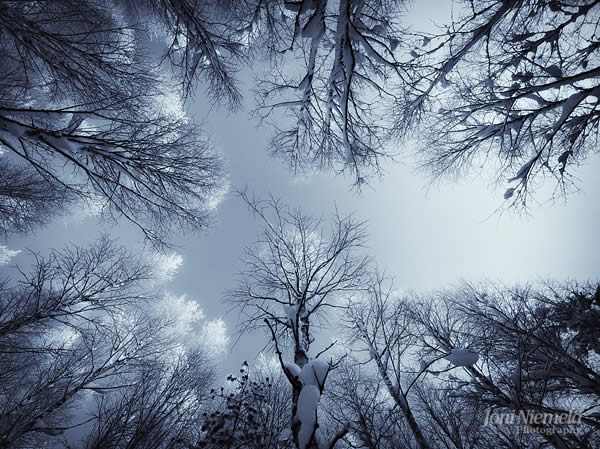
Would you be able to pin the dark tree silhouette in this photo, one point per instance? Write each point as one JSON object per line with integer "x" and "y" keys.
{"x": 510, "y": 84}
{"x": 533, "y": 354}
{"x": 27, "y": 200}
{"x": 158, "y": 407}
{"x": 249, "y": 412}
{"x": 297, "y": 270}
{"x": 205, "y": 41}
{"x": 442, "y": 362}
{"x": 513, "y": 84}
{"x": 333, "y": 92}
{"x": 82, "y": 105}
{"x": 78, "y": 325}
{"x": 358, "y": 396}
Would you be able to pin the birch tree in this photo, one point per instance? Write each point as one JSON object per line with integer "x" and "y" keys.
{"x": 381, "y": 323}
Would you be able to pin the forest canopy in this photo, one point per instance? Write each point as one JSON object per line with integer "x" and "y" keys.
{"x": 96, "y": 352}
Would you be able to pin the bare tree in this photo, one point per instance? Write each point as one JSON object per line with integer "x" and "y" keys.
{"x": 528, "y": 355}
{"x": 76, "y": 325}
{"x": 511, "y": 83}
{"x": 74, "y": 283}
{"x": 334, "y": 107}
{"x": 38, "y": 400}
{"x": 159, "y": 407}
{"x": 449, "y": 359}
{"x": 27, "y": 200}
{"x": 358, "y": 396}
{"x": 450, "y": 421}
{"x": 381, "y": 322}
{"x": 296, "y": 272}
{"x": 508, "y": 84}
{"x": 82, "y": 105}
{"x": 205, "y": 41}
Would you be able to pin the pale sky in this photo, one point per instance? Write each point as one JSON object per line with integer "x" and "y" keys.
{"x": 426, "y": 237}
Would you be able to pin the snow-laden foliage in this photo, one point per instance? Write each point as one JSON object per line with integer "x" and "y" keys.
{"x": 165, "y": 265}
{"x": 7, "y": 254}
{"x": 79, "y": 345}
{"x": 86, "y": 115}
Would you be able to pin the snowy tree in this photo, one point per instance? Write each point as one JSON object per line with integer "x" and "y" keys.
{"x": 75, "y": 283}
{"x": 76, "y": 326}
{"x": 85, "y": 114}
{"x": 296, "y": 272}
{"x": 511, "y": 84}
{"x": 157, "y": 407}
{"x": 508, "y": 84}
{"x": 381, "y": 323}
{"x": 83, "y": 105}
{"x": 358, "y": 396}
{"x": 447, "y": 359}
{"x": 452, "y": 422}
{"x": 330, "y": 82}
{"x": 204, "y": 41}
{"x": 532, "y": 353}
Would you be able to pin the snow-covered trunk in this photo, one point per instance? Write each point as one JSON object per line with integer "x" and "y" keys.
{"x": 314, "y": 30}
{"x": 295, "y": 426}
{"x": 301, "y": 330}
{"x": 298, "y": 317}
{"x": 342, "y": 70}
{"x": 307, "y": 378}
{"x": 312, "y": 377}
{"x": 348, "y": 61}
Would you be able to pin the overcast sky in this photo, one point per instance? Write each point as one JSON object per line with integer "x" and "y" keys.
{"x": 426, "y": 237}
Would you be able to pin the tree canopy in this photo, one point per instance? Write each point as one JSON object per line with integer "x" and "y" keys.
{"x": 96, "y": 354}
{"x": 88, "y": 111}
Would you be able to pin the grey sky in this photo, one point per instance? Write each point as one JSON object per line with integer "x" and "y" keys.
{"x": 427, "y": 238}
